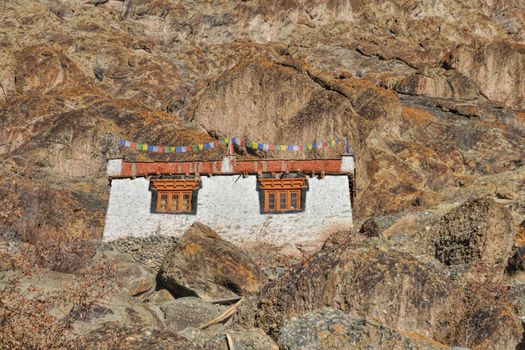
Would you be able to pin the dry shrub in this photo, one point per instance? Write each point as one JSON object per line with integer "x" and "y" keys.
{"x": 60, "y": 8}
{"x": 25, "y": 319}
{"x": 476, "y": 316}
{"x": 49, "y": 220}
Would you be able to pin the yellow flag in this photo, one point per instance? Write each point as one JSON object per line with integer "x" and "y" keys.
{"x": 201, "y": 147}
{"x": 144, "y": 146}
{"x": 309, "y": 146}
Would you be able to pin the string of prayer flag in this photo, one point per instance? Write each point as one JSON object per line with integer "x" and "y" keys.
{"x": 230, "y": 141}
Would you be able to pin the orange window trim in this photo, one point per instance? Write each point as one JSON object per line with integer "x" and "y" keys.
{"x": 179, "y": 206}
{"x": 179, "y": 194}
{"x": 277, "y": 200}
{"x": 286, "y": 188}
{"x": 175, "y": 184}
{"x": 286, "y": 183}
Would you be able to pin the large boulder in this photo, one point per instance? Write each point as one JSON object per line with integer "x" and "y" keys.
{"x": 119, "y": 336}
{"x": 120, "y": 308}
{"x": 329, "y": 328}
{"x": 134, "y": 278}
{"x": 479, "y": 233}
{"x": 188, "y": 312}
{"x": 202, "y": 264}
{"x": 241, "y": 339}
{"x": 388, "y": 287}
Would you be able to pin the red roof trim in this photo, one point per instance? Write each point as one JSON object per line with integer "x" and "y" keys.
{"x": 307, "y": 166}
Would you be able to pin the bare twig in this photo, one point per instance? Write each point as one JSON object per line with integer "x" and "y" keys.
{"x": 224, "y": 316}
{"x": 229, "y": 340}
{"x": 226, "y": 301}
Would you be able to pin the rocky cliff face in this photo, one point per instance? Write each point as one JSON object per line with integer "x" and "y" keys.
{"x": 431, "y": 95}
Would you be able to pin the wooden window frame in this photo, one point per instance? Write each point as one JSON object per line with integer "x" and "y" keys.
{"x": 182, "y": 188}
{"x": 277, "y": 200}
{"x": 179, "y": 207}
{"x": 278, "y": 187}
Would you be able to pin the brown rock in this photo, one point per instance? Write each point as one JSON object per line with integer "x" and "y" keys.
{"x": 188, "y": 312}
{"x": 333, "y": 329}
{"x": 202, "y": 264}
{"x": 387, "y": 287}
{"x": 478, "y": 233}
{"x": 133, "y": 277}
{"x": 370, "y": 228}
{"x": 118, "y": 336}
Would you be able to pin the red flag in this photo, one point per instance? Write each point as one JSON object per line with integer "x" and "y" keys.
{"x": 300, "y": 147}
{"x": 272, "y": 147}
{"x": 133, "y": 145}
{"x": 161, "y": 149}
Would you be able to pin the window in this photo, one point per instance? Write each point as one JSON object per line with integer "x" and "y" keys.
{"x": 282, "y": 195}
{"x": 175, "y": 195}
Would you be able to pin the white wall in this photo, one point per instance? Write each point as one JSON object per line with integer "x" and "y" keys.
{"x": 230, "y": 205}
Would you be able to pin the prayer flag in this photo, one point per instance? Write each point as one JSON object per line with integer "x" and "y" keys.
{"x": 290, "y": 147}
{"x": 201, "y": 147}
{"x": 272, "y": 147}
{"x": 122, "y": 143}
{"x": 309, "y": 146}
{"x": 127, "y": 143}
{"x": 150, "y": 148}
{"x": 266, "y": 147}
{"x": 133, "y": 145}
{"x": 178, "y": 149}
{"x": 260, "y": 146}
{"x": 183, "y": 149}
{"x": 161, "y": 149}
{"x": 299, "y": 147}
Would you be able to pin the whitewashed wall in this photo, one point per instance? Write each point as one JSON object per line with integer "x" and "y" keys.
{"x": 230, "y": 205}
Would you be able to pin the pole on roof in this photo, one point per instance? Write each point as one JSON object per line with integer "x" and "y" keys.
{"x": 347, "y": 145}
{"x": 230, "y": 146}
